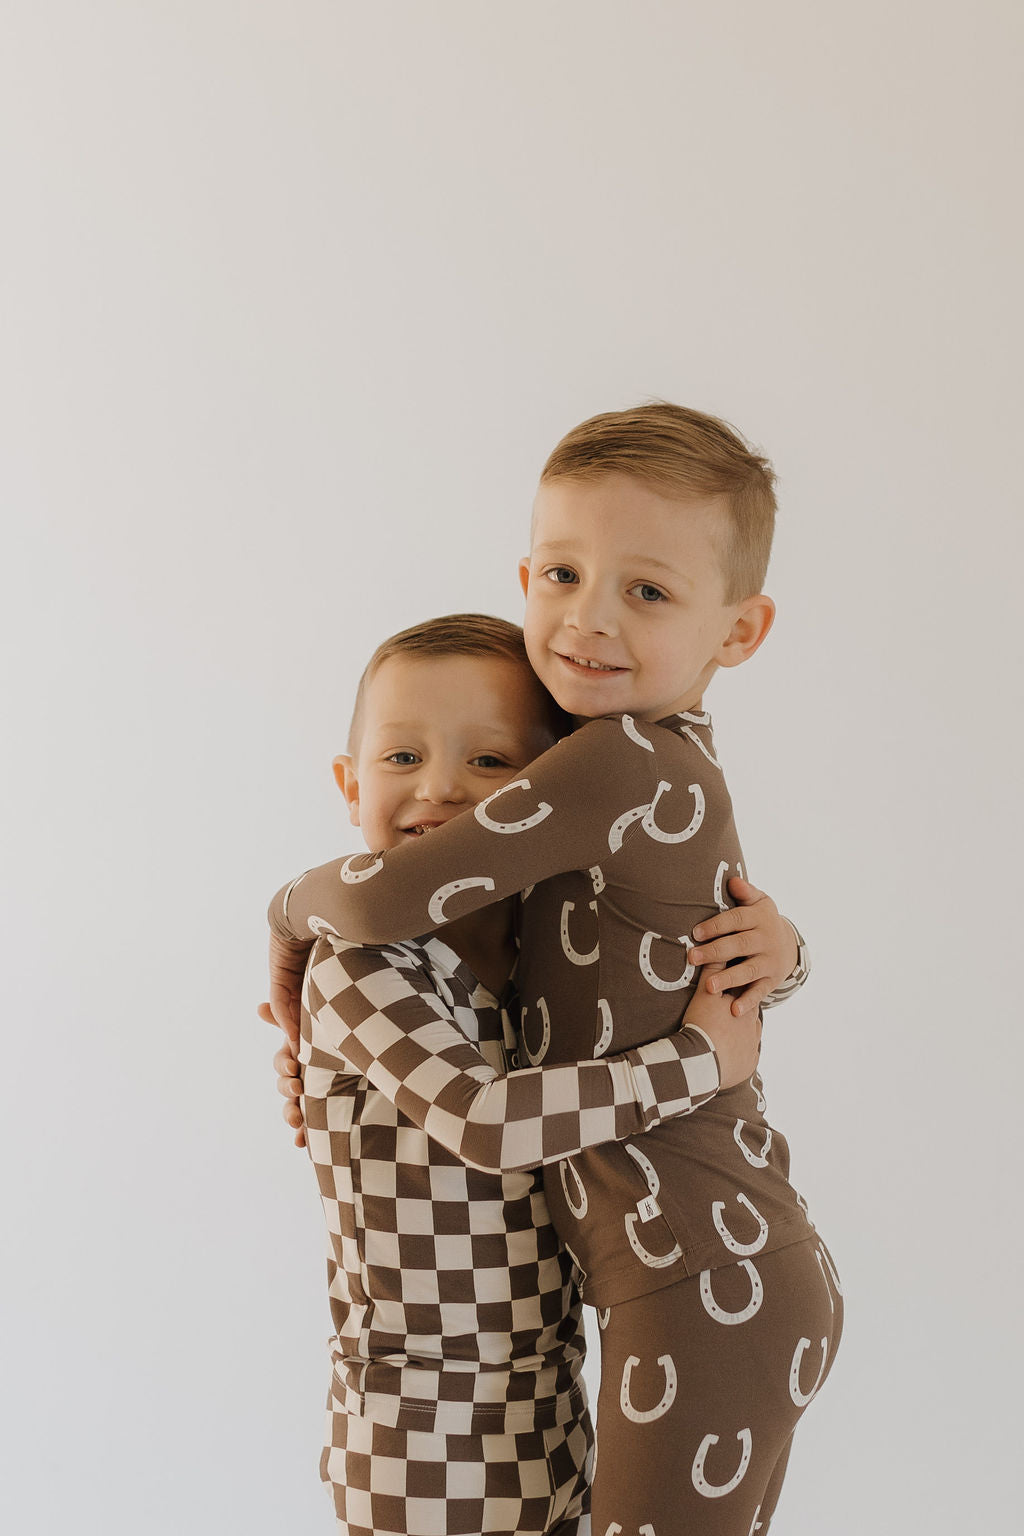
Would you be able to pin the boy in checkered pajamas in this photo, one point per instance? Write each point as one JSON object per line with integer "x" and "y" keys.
{"x": 456, "y": 1403}
{"x": 652, "y": 530}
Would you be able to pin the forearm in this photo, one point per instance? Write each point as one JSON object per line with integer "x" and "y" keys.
{"x": 545, "y": 1113}
{"x": 555, "y": 817}
{"x": 382, "y": 1020}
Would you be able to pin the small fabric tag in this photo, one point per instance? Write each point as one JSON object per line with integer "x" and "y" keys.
{"x": 648, "y": 1208}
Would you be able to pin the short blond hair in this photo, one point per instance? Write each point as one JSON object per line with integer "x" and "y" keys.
{"x": 683, "y": 453}
{"x": 458, "y": 634}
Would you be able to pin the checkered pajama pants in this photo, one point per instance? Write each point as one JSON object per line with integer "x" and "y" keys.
{"x": 406, "y": 1482}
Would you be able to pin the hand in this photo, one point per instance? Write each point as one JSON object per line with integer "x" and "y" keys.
{"x": 736, "y": 1038}
{"x": 289, "y": 1084}
{"x": 287, "y": 968}
{"x": 756, "y": 932}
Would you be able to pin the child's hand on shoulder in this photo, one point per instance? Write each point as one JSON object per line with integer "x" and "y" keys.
{"x": 736, "y": 1038}
{"x": 757, "y": 936}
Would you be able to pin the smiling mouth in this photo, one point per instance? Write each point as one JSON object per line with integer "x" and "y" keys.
{"x": 417, "y": 828}
{"x": 583, "y": 664}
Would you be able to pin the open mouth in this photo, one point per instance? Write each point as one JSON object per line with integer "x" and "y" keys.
{"x": 417, "y": 828}
{"x": 595, "y": 668}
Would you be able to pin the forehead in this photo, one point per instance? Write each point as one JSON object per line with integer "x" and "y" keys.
{"x": 626, "y": 517}
{"x": 452, "y": 693}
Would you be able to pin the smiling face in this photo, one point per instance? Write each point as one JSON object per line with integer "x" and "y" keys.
{"x": 437, "y": 735}
{"x": 625, "y": 598}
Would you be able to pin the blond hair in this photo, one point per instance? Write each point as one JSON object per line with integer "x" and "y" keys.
{"x": 458, "y": 634}
{"x": 683, "y": 453}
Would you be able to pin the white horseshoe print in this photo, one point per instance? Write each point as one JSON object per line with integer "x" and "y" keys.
{"x": 692, "y": 735}
{"x": 719, "y": 1490}
{"x": 703, "y": 718}
{"x": 755, "y": 1524}
{"x": 831, "y": 1267}
{"x": 647, "y": 1530}
{"x": 652, "y": 1260}
{"x": 618, "y": 828}
{"x": 435, "y": 907}
{"x": 762, "y": 1104}
{"x": 646, "y": 1167}
{"x": 647, "y": 970}
{"x": 719, "y": 1314}
{"x": 603, "y": 1314}
{"x": 828, "y": 1288}
{"x": 524, "y": 895}
{"x": 696, "y": 820}
{"x": 801, "y": 1399}
{"x": 534, "y": 1057}
{"x": 480, "y": 811}
{"x": 742, "y": 1249}
{"x": 578, "y": 1208}
{"x": 629, "y": 726}
{"x": 574, "y": 954}
{"x": 598, "y": 879}
{"x": 720, "y": 902}
{"x": 668, "y": 1397}
{"x": 605, "y": 1037}
{"x": 613, "y": 1529}
{"x": 353, "y": 876}
{"x": 320, "y": 925}
{"x": 755, "y": 1159}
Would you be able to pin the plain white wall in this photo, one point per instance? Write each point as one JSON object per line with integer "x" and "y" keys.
{"x": 298, "y": 296}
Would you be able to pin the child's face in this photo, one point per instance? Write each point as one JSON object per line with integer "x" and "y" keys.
{"x": 625, "y": 598}
{"x": 439, "y": 734}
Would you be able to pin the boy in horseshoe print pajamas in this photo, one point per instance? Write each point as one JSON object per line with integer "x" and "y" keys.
{"x": 720, "y": 1308}
{"x": 456, "y": 1403}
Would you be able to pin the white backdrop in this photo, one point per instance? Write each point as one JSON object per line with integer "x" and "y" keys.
{"x": 298, "y": 297}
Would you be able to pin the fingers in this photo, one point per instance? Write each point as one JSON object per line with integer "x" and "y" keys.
{"x": 726, "y": 948}
{"x": 732, "y": 920}
{"x": 729, "y": 978}
{"x": 752, "y": 997}
{"x": 266, "y": 1013}
{"x": 742, "y": 891}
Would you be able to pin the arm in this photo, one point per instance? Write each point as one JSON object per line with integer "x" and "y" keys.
{"x": 554, "y": 817}
{"x": 376, "y": 1014}
{"x": 775, "y": 960}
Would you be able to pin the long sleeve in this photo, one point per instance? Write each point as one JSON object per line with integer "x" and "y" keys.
{"x": 376, "y": 1014}
{"x": 572, "y": 808}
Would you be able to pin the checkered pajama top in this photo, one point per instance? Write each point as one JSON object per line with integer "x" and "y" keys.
{"x": 451, "y": 1296}
{"x": 620, "y": 839}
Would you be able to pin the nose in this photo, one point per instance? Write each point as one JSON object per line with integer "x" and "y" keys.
{"x": 441, "y": 783}
{"x": 592, "y": 611}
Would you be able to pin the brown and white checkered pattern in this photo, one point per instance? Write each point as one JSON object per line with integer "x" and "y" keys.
{"x": 450, "y": 1293}
{"x": 398, "y": 1482}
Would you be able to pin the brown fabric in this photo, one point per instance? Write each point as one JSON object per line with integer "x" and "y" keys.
{"x": 702, "y": 1386}
{"x": 620, "y": 840}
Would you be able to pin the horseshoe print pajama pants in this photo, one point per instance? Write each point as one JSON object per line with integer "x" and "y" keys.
{"x": 702, "y": 1386}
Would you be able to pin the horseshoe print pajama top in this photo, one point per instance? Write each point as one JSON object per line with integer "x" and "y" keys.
{"x": 620, "y": 839}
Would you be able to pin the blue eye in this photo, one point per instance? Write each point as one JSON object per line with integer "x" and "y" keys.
{"x": 649, "y": 593}
{"x": 402, "y": 759}
{"x": 561, "y": 575}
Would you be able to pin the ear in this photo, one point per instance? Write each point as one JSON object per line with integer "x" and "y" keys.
{"x": 754, "y": 618}
{"x": 345, "y": 778}
{"x": 524, "y": 574}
